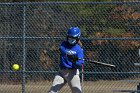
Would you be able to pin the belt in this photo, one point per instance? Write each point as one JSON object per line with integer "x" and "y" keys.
{"x": 64, "y": 68}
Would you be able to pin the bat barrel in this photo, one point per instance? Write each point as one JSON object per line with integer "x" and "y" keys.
{"x": 105, "y": 64}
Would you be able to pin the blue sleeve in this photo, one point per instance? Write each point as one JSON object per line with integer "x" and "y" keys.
{"x": 62, "y": 49}
{"x": 80, "y": 56}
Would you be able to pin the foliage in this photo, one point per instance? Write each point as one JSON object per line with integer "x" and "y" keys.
{"x": 115, "y": 31}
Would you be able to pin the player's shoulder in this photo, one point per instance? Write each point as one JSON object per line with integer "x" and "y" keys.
{"x": 78, "y": 46}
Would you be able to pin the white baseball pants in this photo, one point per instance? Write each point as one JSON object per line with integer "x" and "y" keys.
{"x": 70, "y": 76}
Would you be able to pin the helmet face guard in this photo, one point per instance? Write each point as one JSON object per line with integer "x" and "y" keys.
{"x": 72, "y": 40}
{"x": 73, "y": 35}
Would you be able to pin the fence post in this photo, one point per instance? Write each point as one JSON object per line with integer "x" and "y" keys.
{"x": 24, "y": 50}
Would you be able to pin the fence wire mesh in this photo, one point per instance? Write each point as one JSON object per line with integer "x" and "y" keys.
{"x": 30, "y": 34}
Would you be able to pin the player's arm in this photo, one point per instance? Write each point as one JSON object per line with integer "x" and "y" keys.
{"x": 80, "y": 55}
{"x": 62, "y": 49}
{"x": 77, "y": 59}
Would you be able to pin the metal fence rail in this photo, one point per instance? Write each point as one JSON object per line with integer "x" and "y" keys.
{"x": 30, "y": 34}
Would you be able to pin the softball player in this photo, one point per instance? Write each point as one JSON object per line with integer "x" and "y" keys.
{"x": 70, "y": 63}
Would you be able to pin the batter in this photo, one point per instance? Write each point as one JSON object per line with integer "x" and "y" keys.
{"x": 70, "y": 63}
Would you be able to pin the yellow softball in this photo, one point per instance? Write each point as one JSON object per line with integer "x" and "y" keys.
{"x": 15, "y": 67}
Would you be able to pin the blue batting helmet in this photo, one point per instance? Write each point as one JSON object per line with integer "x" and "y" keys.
{"x": 74, "y": 32}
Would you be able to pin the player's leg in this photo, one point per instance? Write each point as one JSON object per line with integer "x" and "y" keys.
{"x": 74, "y": 82}
{"x": 58, "y": 83}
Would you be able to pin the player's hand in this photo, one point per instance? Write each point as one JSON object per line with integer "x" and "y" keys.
{"x": 72, "y": 58}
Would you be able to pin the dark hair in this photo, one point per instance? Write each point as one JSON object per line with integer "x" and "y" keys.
{"x": 80, "y": 43}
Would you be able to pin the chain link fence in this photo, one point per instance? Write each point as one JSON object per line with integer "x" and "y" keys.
{"x": 30, "y": 34}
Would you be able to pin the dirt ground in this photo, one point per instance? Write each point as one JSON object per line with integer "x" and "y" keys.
{"x": 102, "y": 86}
